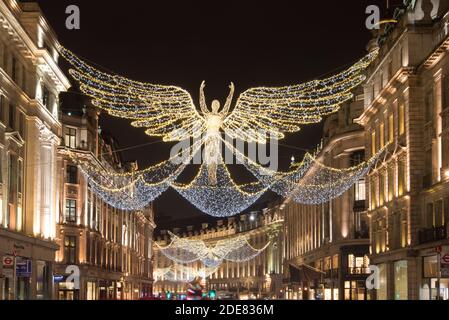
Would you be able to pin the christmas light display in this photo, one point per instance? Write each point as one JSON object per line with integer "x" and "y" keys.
{"x": 224, "y": 198}
{"x": 311, "y": 182}
{"x": 259, "y": 113}
{"x": 185, "y": 251}
{"x": 169, "y": 111}
{"x": 133, "y": 190}
{"x": 182, "y": 273}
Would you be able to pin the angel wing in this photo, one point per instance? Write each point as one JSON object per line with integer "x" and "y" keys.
{"x": 165, "y": 111}
{"x": 183, "y": 250}
{"x": 261, "y": 110}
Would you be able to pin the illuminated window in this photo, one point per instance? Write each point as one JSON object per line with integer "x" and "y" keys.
{"x": 382, "y": 135}
{"x": 373, "y": 194}
{"x": 70, "y": 138}
{"x": 401, "y": 119}
{"x": 373, "y": 143}
{"x": 382, "y": 292}
{"x": 70, "y": 249}
{"x": 430, "y": 267}
{"x": 360, "y": 190}
{"x": 382, "y": 178}
{"x": 70, "y": 210}
{"x": 402, "y": 176}
{"x": 391, "y": 183}
{"x": 390, "y": 128}
{"x": 401, "y": 280}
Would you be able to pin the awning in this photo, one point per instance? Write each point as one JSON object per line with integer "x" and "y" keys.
{"x": 304, "y": 273}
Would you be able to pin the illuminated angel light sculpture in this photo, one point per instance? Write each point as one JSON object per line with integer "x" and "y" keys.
{"x": 182, "y": 273}
{"x": 259, "y": 114}
{"x": 185, "y": 251}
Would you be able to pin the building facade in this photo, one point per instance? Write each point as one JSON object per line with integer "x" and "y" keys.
{"x": 258, "y": 278}
{"x": 110, "y": 248}
{"x": 407, "y": 107}
{"x": 30, "y": 83}
{"x": 327, "y": 245}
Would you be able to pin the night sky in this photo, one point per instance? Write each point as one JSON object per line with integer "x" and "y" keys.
{"x": 251, "y": 43}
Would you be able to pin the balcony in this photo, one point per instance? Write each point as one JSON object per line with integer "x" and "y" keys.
{"x": 432, "y": 234}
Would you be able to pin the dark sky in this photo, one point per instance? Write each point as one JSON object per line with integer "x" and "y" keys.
{"x": 251, "y": 43}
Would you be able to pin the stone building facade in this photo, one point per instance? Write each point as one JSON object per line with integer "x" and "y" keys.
{"x": 327, "y": 245}
{"x": 30, "y": 83}
{"x": 407, "y": 107}
{"x": 112, "y": 248}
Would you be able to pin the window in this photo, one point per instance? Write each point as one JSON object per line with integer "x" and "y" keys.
{"x": 12, "y": 172}
{"x": 19, "y": 176}
{"x": 391, "y": 183}
{"x": 360, "y": 190}
{"x": 70, "y": 249}
{"x": 429, "y": 215}
{"x": 12, "y": 116}
{"x": 72, "y": 174}
{"x": 22, "y": 124}
{"x": 382, "y": 179}
{"x": 401, "y": 119}
{"x": 382, "y": 135}
{"x": 70, "y": 210}
{"x": 382, "y": 292}
{"x": 46, "y": 98}
{"x": 358, "y": 264}
{"x": 70, "y": 138}
{"x": 373, "y": 143}
{"x": 391, "y": 128}
{"x": 439, "y": 219}
{"x": 430, "y": 267}
{"x": 24, "y": 79}
{"x": 357, "y": 157}
{"x": 373, "y": 193}
{"x": 14, "y": 69}
{"x": 402, "y": 176}
{"x": 400, "y": 280}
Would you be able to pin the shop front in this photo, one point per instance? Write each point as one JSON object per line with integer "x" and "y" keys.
{"x": 432, "y": 286}
{"x": 25, "y": 267}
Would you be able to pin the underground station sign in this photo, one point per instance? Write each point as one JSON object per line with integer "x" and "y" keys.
{"x": 444, "y": 261}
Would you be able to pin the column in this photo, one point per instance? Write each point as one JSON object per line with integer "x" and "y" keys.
{"x": 47, "y": 200}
